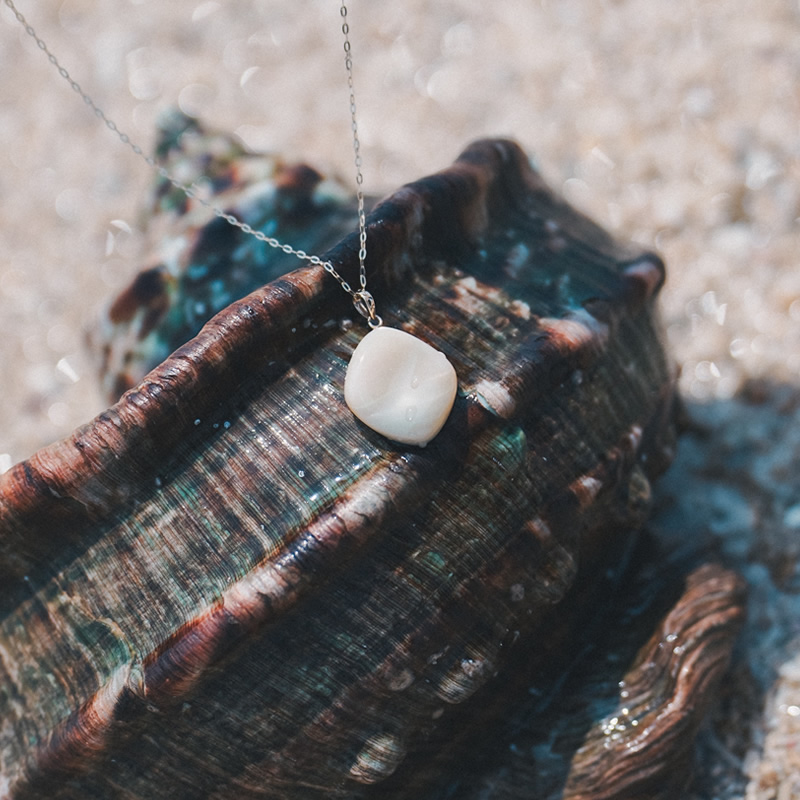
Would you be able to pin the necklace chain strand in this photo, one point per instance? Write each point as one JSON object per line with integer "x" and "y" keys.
{"x": 363, "y": 301}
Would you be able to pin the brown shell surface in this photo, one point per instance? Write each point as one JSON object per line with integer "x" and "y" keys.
{"x": 226, "y": 587}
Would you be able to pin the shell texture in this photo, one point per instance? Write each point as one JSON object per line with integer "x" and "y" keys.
{"x": 196, "y": 266}
{"x": 621, "y": 721}
{"x": 225, "y": 586}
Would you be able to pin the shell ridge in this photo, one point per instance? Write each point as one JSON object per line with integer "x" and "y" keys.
{"x": 671, "y": 680}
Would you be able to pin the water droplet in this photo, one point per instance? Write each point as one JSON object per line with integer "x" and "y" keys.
{"x": 411, "y": 412}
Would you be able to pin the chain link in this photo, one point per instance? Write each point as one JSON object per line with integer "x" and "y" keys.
{"x": 362, "y": 226}
{"x": 362, "y": 299}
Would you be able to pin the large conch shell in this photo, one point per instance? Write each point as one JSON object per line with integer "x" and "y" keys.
{"x": 227, "y": 586}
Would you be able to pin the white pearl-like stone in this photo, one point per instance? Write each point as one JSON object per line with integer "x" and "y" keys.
{"x": 400, "y": 386}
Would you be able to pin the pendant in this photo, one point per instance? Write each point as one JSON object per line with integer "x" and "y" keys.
{"x": 400, "y": 386}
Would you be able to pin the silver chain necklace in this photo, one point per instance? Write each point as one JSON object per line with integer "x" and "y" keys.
{"x": 395, "y": 384}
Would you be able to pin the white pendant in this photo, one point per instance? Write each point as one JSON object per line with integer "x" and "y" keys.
{"x": 400, "y": 386}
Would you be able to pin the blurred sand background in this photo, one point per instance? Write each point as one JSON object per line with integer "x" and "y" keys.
{"x": 675, "y": 124}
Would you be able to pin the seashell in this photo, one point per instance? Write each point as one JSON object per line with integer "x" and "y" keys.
{"x": 227, "y": 586}
{"x": 197, "y": 264}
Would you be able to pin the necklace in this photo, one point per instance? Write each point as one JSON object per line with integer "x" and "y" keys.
{"x": 396, "y": 384}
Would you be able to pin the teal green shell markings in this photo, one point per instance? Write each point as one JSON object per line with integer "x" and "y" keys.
{"x": 197, "y": 263}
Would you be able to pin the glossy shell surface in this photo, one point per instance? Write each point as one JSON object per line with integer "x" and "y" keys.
{"x": 225, "y": 586}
